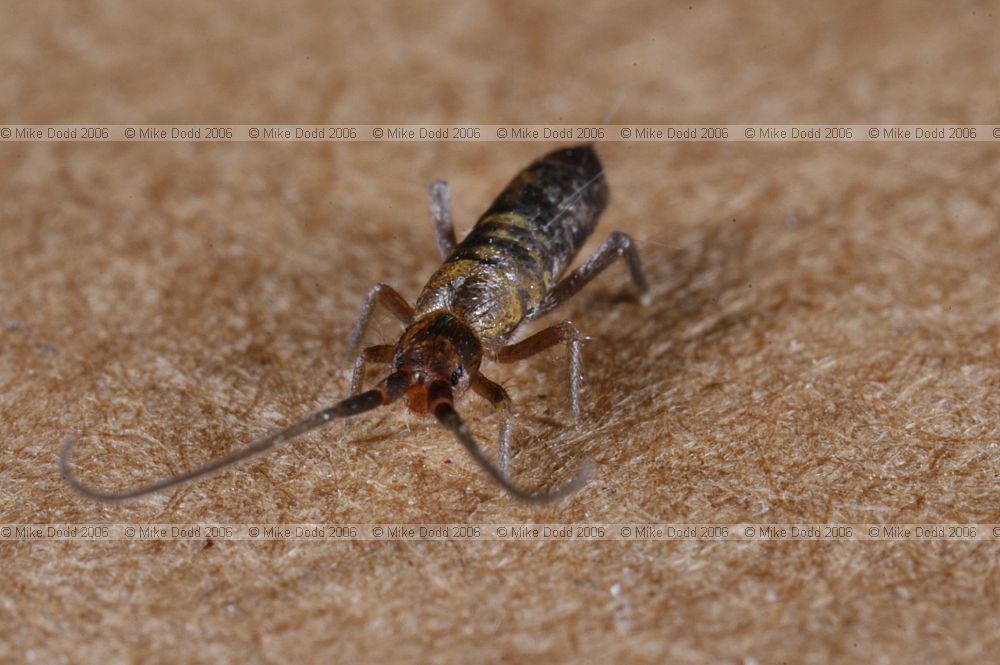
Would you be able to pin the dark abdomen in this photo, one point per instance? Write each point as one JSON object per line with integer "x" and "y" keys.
{"x": 522, "y": 244}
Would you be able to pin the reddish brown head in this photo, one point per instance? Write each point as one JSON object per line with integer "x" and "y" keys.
{"x": 438, "y": 349}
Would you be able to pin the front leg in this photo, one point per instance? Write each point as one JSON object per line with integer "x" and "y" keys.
{"x": 380, "y": 353}
{"x": 547, "y": 338}
{"x": 498, "y": 397}
{"x": 395, "y": 303}
{"x": 440, "y": 195}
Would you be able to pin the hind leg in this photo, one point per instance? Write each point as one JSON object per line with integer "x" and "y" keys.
{"x": 440, "y": 195}
{"x": 618, "y": 246}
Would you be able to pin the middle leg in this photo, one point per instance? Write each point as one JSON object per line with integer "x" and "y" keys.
{"x": 564, "y": 332}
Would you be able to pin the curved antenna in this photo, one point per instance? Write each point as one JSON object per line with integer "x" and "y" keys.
{"x": 440, "y": 399}
{"x": 391, "y": 389}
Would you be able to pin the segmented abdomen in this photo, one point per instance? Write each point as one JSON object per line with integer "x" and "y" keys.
{"x": 521, "y": 245}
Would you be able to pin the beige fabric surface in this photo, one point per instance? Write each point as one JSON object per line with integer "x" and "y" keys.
{"x": 821, "y": 345}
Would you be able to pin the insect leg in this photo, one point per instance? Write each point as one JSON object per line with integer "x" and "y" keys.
{"x": 498, "y": 397}
{"x": 394, "y": 302}
{"x": 381, "y": 353}
{"x": 547, "y": 338}
{"x": 618, "y": 245}
{"x": 439, "y": 397}
{"x": 441, "y": 214}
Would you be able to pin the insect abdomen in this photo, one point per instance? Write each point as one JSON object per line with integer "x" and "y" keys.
{"x": 522, "y": 244}
{"x": 560, "y": 197}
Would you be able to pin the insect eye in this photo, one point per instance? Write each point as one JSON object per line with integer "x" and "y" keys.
{"x": 456, "y": 375}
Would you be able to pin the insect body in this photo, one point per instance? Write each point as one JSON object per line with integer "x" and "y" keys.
{"x": 500, "y": 274}
{"x": 506, "y": 271}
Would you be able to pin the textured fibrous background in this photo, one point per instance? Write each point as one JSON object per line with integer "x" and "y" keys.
{"x": 821, "y": 346}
